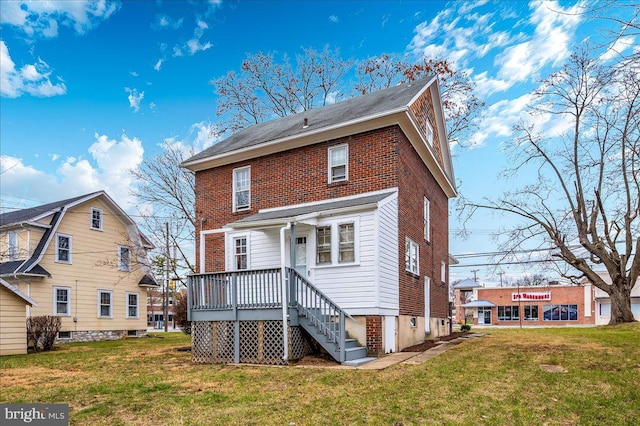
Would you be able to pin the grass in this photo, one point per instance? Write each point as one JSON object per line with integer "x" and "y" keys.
{"x": 493, "y": 380}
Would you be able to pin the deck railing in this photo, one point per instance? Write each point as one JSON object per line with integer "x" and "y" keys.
{"x": 262, "y": 289}
{"x": 235, "y": 290}
{"x": 320, "y": 310}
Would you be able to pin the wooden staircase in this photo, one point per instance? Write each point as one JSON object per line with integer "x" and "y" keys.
{"x": 325, "y": 321}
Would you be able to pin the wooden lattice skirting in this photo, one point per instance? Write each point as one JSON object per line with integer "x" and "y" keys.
{"x": 260, "y": 342}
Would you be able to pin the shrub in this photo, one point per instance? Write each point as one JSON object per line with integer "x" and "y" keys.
{"x": 180, "y": 313}
{"x": 42, "y": 331}
{"x": 465, "y": 327}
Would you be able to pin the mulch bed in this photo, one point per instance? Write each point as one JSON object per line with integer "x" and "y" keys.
{"x": 421, "y": 347}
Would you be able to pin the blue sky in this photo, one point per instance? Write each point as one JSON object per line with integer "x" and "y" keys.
{"x": 90, "y": 89}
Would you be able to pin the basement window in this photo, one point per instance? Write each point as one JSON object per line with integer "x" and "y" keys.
{"x": 413, "y": 322}
{"x": 64, "y": 335}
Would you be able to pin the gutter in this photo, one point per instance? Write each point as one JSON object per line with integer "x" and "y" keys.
{"x": 285, "y": 308}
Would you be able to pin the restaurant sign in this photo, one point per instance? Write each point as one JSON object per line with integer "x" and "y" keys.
{"x": 530, "y": 296}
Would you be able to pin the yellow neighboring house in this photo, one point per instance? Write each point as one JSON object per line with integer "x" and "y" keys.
{"x": 82, "y": 259}
{"x": 13, "y": 327}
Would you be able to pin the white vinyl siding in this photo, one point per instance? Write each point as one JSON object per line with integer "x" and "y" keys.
{"x": 63, "y": 247}
{"x": 388, "y": 261}
{"x": 242, "y": 188}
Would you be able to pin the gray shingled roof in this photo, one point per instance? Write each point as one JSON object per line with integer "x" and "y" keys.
{"x": 24, "y": 215}
{"x": 352, "y": 109}
{"x": 323, "y": 207}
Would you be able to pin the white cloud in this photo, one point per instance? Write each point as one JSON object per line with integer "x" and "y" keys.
{"x": 550, "y": 43}
{"x": 32, "y": 79}
{"x": 193, "y": 45}
{"x": 107, "y": 169}
{"x": 133, "y": 73}
{"x": 158, "y": 64}
{"x": 618, "y": 47}
{"x": 42, "y": 18}
{"x": 334, "y": 19}
{"x": 164, "y": 22}
{"x": 134, "y": 98}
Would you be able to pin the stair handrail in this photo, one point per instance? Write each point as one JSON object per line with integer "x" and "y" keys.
{"x": 335, "y": 331}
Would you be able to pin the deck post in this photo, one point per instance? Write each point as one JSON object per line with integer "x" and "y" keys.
{"x": 236, "y": 323}
{"x": 343, "y": 332}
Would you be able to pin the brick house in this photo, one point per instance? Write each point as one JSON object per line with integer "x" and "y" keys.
{"x": 342, "y": 213}
{"x": 549, "y": 305}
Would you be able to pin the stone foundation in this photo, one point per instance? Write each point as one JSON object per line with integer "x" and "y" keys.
{"x": 99, "y": 335}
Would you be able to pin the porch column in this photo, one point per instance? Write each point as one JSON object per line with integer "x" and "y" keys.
{"x": 292, "y": 262}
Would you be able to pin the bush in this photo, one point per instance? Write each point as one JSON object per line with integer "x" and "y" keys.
{"x": 42, "y": 331}
{"x": 180, "y": 313}
{"x": 465, "y": 327}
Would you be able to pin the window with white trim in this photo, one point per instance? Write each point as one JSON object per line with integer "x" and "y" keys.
{"x": 338, "y": 163}
{"x": 105, "y": 303}
{"x": 61, "y": 301}
{"x": 96, "y": 219}
{"x": 412, "y": 251}
{"x": 124, "y": 258}
{"x": 132, "y": 305}
{"x": 323, "y": 245}
{"x": 63, "y": 248}
{"x": 428, "y": 131}
{"x": 242, "y": 188}
{"x": 346, "y": 234}
{"x": 12, "y": 241}
{"x": 427, "y": 219}
{"x": 241, "y": 253}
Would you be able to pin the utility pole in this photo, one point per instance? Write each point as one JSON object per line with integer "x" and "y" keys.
{"x": 475, "y": 278}
{"x": 166, "y": 282}
{"x": 501, "y": 274}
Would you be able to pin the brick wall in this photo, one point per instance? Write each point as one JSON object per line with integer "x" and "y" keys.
{"x": 293, "y": 177}
{"x": 569, "y": 295}
{"x": 374, "y": 335}
{"x": 416, "y": 182}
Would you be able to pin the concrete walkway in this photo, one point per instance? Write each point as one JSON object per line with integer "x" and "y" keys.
{"x": 413, "y": 358}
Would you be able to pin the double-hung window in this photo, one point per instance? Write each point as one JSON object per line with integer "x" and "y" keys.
{"x": 241, "y": 253}
{"x": 124, "y": 258}
{"x": 12, "y": 238}
{"x": 242, "y": 188}
{"x": 412, "y": 251}
{"x": 428, "y": 131}
{"x": 427, "y": 219}
{"x": 132, "y": 305}
{"x": 96, "y": 219}
{"x": 105, "y": 303}
{"x": 63, "y": 248}
{"x": 338, "y": 163}
{"x": 323, "y": 244}
{"x": 61, "y": 301}
{"x": 347, "y": 247}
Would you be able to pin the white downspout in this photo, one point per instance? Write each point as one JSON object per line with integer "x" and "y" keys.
{"x": 285, "y": 308}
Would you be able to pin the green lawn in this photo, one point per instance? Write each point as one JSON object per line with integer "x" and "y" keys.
{"x": 493, "y": 380}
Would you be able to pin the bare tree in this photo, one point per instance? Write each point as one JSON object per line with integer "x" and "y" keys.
{"x": 167, "y": 194}
{"x": 459, "y": 101}
{"x": 266, "y": 88}
{"x": 585, "y": 202}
